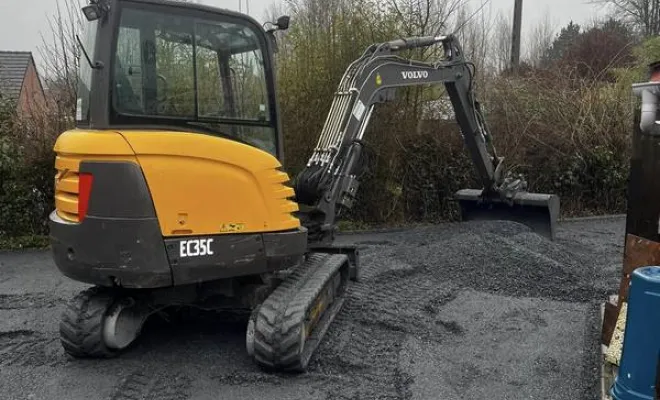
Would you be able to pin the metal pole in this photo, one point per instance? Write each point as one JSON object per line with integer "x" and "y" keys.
{"x": 517, "y": 31}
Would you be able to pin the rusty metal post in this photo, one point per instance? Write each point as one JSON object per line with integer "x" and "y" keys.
{"x": 642, "y": 239}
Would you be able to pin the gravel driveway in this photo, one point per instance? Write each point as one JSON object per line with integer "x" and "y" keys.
{"x": 473, "y": 311}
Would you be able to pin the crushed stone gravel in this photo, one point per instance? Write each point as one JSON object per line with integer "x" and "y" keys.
{"x": 455, "y": 311}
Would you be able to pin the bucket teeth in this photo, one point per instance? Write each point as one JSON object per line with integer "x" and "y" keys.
{"x": 538, "y": 211}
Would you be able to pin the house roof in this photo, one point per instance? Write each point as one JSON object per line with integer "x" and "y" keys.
{"x": 13, "y": 65}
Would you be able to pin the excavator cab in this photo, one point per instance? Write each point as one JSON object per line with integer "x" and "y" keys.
{"x": 178, "y": 67}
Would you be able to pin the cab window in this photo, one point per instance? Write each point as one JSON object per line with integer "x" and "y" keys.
{"x": 205, "y": 73}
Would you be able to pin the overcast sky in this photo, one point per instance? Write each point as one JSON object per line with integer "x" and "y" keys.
{"x": 22, "y": 22}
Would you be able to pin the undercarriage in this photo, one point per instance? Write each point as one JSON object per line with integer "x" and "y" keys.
{"x": 288, "y": 311}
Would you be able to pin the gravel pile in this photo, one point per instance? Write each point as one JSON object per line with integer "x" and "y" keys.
{"x": 410, "y": 277}
{"x": 478, "y": 310}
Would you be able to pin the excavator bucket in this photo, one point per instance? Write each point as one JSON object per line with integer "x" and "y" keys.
{"x": 538, "y": 211}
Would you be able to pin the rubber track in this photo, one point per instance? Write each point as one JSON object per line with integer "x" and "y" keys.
{"x": 81, "y": 326}
{"x": 281, "y": 316}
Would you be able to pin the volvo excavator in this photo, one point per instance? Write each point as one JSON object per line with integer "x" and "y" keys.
{"x": 170, "y": 190}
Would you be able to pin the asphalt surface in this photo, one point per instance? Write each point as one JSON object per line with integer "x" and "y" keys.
{"x": 470, "y": 311}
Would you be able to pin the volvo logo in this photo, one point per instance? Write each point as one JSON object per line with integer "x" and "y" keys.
{"x": 415, "y": 74}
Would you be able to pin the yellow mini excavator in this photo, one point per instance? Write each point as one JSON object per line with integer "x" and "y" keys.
{"x": 170, "y": 191}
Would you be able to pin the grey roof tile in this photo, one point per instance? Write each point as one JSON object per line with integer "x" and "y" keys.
{"x": 13, "y": 65}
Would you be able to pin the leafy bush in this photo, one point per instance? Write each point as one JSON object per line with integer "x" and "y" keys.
{"x": 26, "y": 174}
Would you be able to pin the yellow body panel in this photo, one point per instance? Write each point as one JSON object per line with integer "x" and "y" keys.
{"x": 200, "y": 184}
{"x": 74, "y": 146}
{"x": 204, "y": 184}
{"x": 91, "y": 143}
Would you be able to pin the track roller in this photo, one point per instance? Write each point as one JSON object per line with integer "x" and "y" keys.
{"x": 285, "y": 330}
{"x": 100, "y": 323}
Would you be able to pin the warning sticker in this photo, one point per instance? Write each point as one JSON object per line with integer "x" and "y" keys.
{"x": 79, "y": 115}
{"x": 358, "y": 110}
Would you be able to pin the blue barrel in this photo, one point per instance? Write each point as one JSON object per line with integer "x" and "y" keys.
{"x": 641, "y": 342}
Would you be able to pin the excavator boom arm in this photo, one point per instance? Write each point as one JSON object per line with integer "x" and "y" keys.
{"x": 387, "y": 74}
{"x": 329, "y": 182}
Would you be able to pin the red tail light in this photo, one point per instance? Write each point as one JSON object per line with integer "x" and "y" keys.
{"x": 84, "y": 190}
